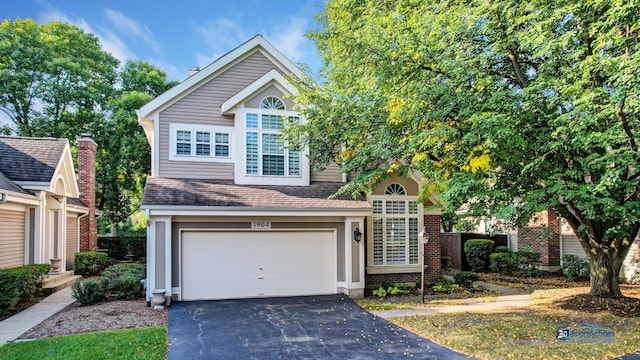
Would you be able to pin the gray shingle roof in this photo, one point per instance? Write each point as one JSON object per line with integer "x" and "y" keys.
{"x": 30, "y": 159}
{"x": 7, "y": 184}
{"x": 191, "y": 192}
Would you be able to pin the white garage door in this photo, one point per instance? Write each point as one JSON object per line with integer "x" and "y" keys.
{"x": 571, "y": 245}
{"x": 224, "y": 265}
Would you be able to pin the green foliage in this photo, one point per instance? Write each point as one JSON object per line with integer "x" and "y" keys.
{"x": 536, "y": 104}
{"x": 21, "y": 283}
{"x": 477, "y": 252}
{"x": 528, "y": 261}
{"x": 90, "y": 291}
{"x": 90, "y": 263}
{"x": 446, "y": 287}
{"x": 503, "y": 262}
{"x": 124, "y": 280}
{"x": 398, "y": 289}
{"x": 501, "y": 249}
{"x": 465, "y": 277}
{"x": 123, "y": 248}
{"x": 380, "y": 292}
{"x": 575, "y": 267}
{"x": 446, "y": 263}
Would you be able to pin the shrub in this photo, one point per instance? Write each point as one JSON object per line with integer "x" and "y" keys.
{"x": 575, "y": 267}
{"x": 446, "y": 263}
{"x": 528, "y": 261}
{"x": 124, "y": 280}
{"x": 90, "y": 291}
{"x": 465, "y": 277}
{"x": 477, "y": 252}
{"x": 90, "y": 263}
{"x": 501, "y": 249}
{"x": 22, "y": 283}
{"x": 380, "y": 292}
{"x": 503, "y": 263}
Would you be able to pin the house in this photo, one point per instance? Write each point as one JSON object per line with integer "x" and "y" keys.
{"x": 231, "y": 213}
{"x": 46, "y": 215}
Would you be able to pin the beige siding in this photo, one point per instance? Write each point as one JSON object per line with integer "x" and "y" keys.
{"x": 410, "y": 186}
{"x": 11, "y": 238}
{"x": 631, "y": 263}
{"x": 72, "y": 240}
{"x": 202, "y": 107}
{"x": 330, "y": 174}
{"x": 571, "y": 245}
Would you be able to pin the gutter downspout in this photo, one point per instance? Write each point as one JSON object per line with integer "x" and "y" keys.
{"x": 3, "y": 198}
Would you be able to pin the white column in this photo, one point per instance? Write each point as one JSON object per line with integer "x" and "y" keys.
{"x": 151, "y": 258}
{"x": 168, "y": 257}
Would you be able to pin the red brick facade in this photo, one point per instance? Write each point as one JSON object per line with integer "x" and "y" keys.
{"x": 87, "y": 185}
{"x": 432, "y": 259}
{"x": 542, "y": 234}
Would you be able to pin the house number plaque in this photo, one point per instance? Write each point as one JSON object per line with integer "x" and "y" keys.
{"x": 261, "y": 224}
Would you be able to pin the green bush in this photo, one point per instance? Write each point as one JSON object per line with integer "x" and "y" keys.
{"x": 477, "y": 252}
{"x": 503, "y": 263}
{"x": 90, "y": 291}
{"x": 446, "y": 263}
{"x": 465, "y": 277}
{"x": 124, "y": 280}
{"x": 22, "y": 283}
{"x": 380, "y": 292}
{"x": 575, "y": 267}
{"x": 528, "y": 261}
{"x": 501, "y": 249}
{"x": 91, "y": 263}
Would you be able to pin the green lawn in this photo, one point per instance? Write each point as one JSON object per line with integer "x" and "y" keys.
{"x": 527, "y": 333}
{"x": 146, "y": 343}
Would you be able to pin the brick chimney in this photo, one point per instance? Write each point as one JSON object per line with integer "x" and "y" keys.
{"x": 87, "y": 186}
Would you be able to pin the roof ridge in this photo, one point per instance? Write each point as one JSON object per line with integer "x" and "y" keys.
{"x": 31, "y": 138}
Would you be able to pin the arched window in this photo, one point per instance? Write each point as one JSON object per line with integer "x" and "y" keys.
{"x": 395, "y": 189}
{"x": 272, "y": 102}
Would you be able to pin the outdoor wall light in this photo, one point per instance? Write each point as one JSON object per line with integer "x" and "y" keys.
{"x": 357, "y": 235}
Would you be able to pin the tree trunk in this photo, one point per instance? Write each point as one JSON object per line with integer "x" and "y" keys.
{"x": 605, "y": 270}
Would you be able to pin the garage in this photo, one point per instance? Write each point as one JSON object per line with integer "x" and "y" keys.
{"x": 246, "y": 264}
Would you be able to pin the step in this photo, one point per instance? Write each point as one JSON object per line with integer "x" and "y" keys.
{"x": 61, "y": 283}
{"x": 55, "y": 278}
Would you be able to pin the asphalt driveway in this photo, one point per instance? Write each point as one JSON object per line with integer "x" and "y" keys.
{"x": 316, "y": 327}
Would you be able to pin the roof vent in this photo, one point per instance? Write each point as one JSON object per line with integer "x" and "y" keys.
{"x": 194, "y": 71}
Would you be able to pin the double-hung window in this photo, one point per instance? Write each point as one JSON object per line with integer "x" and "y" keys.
{"x": 395, "y": 228}
{"x": 197, "y": 142}
{"x": 266, "y": 153}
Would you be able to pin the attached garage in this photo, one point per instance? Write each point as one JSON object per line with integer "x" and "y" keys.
{"x": 243, "y": 264}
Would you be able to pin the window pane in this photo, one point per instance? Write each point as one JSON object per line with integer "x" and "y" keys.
{"x": 222, "y": 138}
{"x": 203, "y": 140}
{"x": 252, "y": 153}
{"x": 183, "y": 142}
{"x": 377, "y": 242}
{"x": 273, "y": 165}
{"x": 252, "y": 121}
{"x": 222, "y": 150}
{"x": 413, "y": 207}
{"x": 272, "y": 102}
{"x": 294, "y": 163}
{"x": 396, "y": 244}
{"x": 294, "y": 120}
{"x": 203, "y": 137}
{"x": 272, "y": 122}
{"x": 222, "y": 144}
{"x": 395, "y": 207}
{"x": 203, "y": 149}
{"x": 377, "y": 206}
{"x": 271, "y": 145}
{"x": 413, "y": 241}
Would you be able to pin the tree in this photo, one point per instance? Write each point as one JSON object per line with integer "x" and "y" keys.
{"x": 509, "y": 108}
{"x": 55, "y": 80}
{"x": 123, "y": 152}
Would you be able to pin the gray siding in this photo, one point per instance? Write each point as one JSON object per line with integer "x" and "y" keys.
{"x": 254, "y": 102}
{"x": 160, "y": 254}
{"x": 202, "y": 107}
{"x": 72, "y": 240}
{"x": 11, "y": 238}
{"x": 330, "y": 174}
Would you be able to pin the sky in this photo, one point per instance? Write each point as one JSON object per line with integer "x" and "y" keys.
{"x": 179, "y": 35}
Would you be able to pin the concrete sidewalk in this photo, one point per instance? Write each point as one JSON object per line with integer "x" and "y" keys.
{"x": 18, "y": 324}
{"x": 501, "y": 303}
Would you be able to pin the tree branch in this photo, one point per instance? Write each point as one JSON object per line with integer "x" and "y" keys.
{"x": 625, "y": 125}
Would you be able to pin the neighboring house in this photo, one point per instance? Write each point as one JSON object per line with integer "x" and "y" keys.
{"x": 42, "y": 206}
{"x": 231, "y": 213}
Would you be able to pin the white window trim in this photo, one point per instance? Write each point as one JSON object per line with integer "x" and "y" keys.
{"x": 384, "y": 268}
{"x": 174, "y": 128}
{"x": 241, "y": 177}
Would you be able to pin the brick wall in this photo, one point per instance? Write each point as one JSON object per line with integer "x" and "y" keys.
{"x": 87, "y": 185}
{"x": 542, "y": 234}
{"x": 432, "y": 259}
